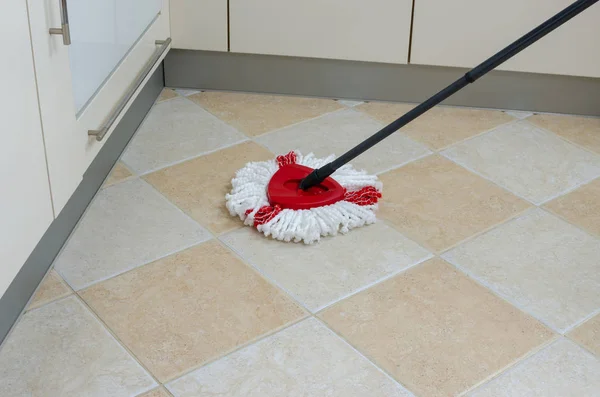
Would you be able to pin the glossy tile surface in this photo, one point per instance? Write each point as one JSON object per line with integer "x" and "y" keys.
{"x": 333, "y": 269}
{"x": 438, "y": 203}
{"x": 588, "y": 334}
{"x": 539, "y": 262}
{"x": 584, "y": 131}
{"x": 562, "y": 369}
{"x": 306, "y": 359}
{"x": 580, "y": 207}
{"x": 51, "y": 288}
{"x": 338, "y": 132}
{"x": 528, "y": 161}
{"x": 435, "y": 330}
{"x": 441, "y": 126}
{"x": 62, "y": 350}
{"x": 256, "y": 114}
{"x": 189, "y": 308}
{"x": 127, "y": 225}
{"x": 199, "y": 186}
{"x": 176, "y": 130}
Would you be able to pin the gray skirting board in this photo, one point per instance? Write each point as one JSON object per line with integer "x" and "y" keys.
{"x": 377, "y": 81}
{"x": 31, "y": 274}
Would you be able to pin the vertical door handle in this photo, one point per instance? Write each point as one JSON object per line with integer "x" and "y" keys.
{"x": 64, "y": 24}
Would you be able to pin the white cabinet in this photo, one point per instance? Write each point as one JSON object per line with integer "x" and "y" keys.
{"x": 465, "y": 32}
{"x": 199, "y": 24}
{"x": 25, "y": 203}
{"x": 81, "y": 84}
{"x": 375, "y": 30}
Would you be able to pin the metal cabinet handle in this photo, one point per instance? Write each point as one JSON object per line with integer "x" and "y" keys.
{"x": 100, "y": 133}
{"x": 64, "y": 22}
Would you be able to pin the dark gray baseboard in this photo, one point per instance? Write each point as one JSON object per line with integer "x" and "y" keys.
{"x": 31, "y": 274}
{"x": 376, "y": 81}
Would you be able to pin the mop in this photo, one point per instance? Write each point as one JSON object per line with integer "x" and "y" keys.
{"x": 303, "y": 198}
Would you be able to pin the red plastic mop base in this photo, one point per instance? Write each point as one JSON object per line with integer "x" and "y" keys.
{"x": 283, "y": 189}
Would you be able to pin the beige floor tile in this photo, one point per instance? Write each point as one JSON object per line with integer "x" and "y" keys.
{"x": 62, "y": 350}
{"x": 518, "y": 114}
{"x": 560, "y": 370}
{"x": 51, "y": 288}
{"x": 588, "y": 334}
{"x": 167, "y": 93}
{"x": 119, "y": 173}
{"x": 338, "y": 132}
{"x": 188, "y": 308}
{"x": 438, "y": 203}
{"x": 199, "y": 186}
{"x": 584, "y": 131}
{"x": 440, "y": 126}
{"x": 256, "y": 114}
{"x": 158, "y": 392}
{"x": 581, "y": 207}
{"x": 528, "y": 161}
{"x": 126, "y": 226}
{"x": 434, "y": 329}
{"x": 306, "y": 359}
{"x": 321, "y": 274}
{"x": 177, "y": 130}
{"x": 541, "y": 263}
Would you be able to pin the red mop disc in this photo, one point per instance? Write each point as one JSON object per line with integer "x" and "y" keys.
{"x": 284, "y": 191}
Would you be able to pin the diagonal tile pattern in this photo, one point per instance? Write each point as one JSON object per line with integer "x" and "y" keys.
{"x": 176, "y": 130}
{"x": 562, "y": 369}
{"x": 584, "y": 131}
{"x": 257, "y": 114}
{"x": 546, "y": 266}
{"x": 166, "y": 279}
{"x": 199, "y": 186}
{"x": 528, "y": 161}
{"x": 320, "y": 275}
{"x": 580, "y": 207}
{"x": 51, "y": 288}
{"x": 189, "y": 308}
{"x": 438, "y": 203}
{"x": 338, "y": 132}
{"x": 439, "y": 127}
{"x": 126, "y": 226}
{"x": 62, "y": 350}
{"x": 588, "y": 334}
{"x": 306, "y": 359}
{"x": 435, "y": 330}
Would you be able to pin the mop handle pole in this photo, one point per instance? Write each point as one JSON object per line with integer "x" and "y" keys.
{"x": 318, "y": 175}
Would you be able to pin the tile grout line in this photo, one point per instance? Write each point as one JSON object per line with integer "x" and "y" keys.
{"x": 375, "y": 283}
{"x": 570, "y": 190}
{"x": 551, "y": 212}
{"x": 509, "y": 367}
{"x": 342, "y": 108}
{"x": 237, "y": 348}
{"x": 118, "y": 340}
{"x": 580, "y": 146}
{"x": 487, "y": 287}
{"x": 579, "y": 323}
{"x": 373, "y": 362}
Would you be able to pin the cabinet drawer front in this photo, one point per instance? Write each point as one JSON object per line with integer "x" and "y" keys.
{"x": 465, "y": 32}
{"x": 376, "y": 30}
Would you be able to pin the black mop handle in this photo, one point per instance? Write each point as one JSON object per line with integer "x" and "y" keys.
{"x": 318, "y": 175}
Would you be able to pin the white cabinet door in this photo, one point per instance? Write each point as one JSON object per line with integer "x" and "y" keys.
{"x": 199, "y": 24}
{"x": 466, "y": 32}
{"x": 374, "y": 30}
{"x": 25, "y": 203}
{"x": 80, "y": 84}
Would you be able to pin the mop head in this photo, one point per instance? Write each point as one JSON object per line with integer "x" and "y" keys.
{"x": 265, "y": 195}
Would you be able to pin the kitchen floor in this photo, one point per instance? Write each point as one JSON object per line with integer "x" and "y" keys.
{"x": 481, "y": 278}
